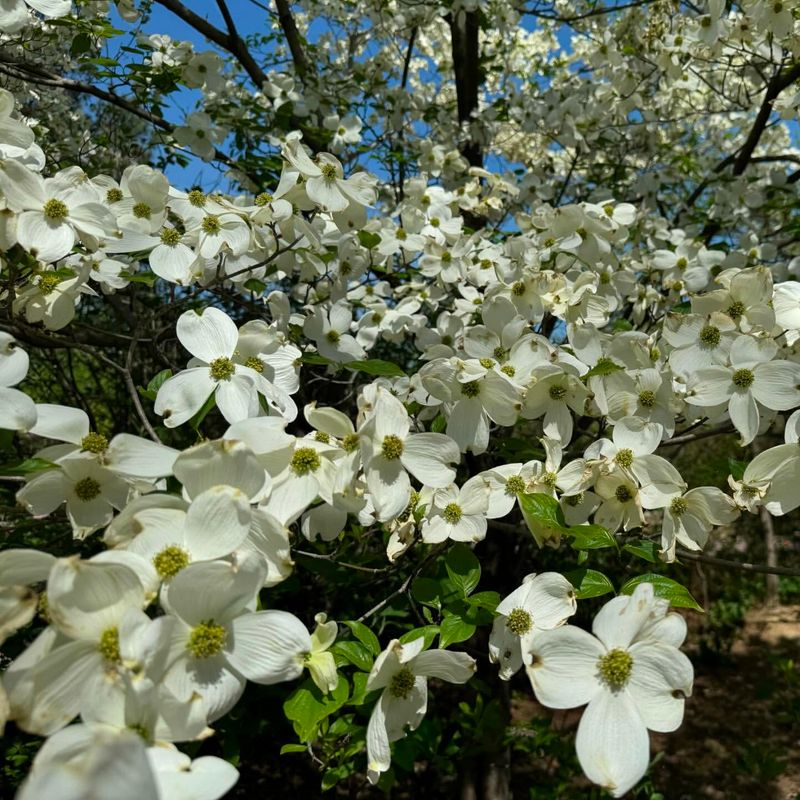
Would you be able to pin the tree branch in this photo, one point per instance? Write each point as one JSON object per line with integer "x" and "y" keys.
{"x": 728, "y": 563}
{"x": 286, "y": 21}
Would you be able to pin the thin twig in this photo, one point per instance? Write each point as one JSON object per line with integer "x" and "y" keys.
{"x": 745, "y": 566}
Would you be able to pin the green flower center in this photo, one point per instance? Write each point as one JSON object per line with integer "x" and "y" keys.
{"x": 328, "y": 172}
{"x": 263, "y": 199}
{"x": 515, "y": 485}
{"x": 487, "y": 363}
{"x": 94, "y": 443}
{"x": 206, "y": 639}
{"x": 500, "y": 353}
{"x": 549, "y": 479}
{"x": 471, "y": 389}
{"x": 170, "y": 561}
{"x": 141, "y": 211}
{"x": 55, "y": 210}
{"x": 350, "y": 442}
{"x": 736, "y": 310}
{"x": 87, "y": 489}
{"x": 392, "y": 447}
{"x": 108, "y": 646}
{"x": 255, "y": 363}
{"x": 142, "y": 732}
{"x": 114, "y": 195}
{"x": 402, "y": 683}
{"x": 170, "y": 237}
{"x": 196, "y": 198}
{"x": 624, "y": 457}
{"x": 518, "y": 289}
{"x": 557, "y": 392}
{"x": 333, "y": 336}
{"x": 211, "y": 224}
{"x": 305, "y": 460}
{"x": 321, "y": 436}
{"x": 647, "y": 398}
{"x": 574, "y": 499}
{"x": 681, "y": 263}
{"x": 48, "y": 283}
{"x": 507, "y": 369}
{"x": 401, "y": 235}
{"x": 678, "y": 506}
{"x": 623, "y": 494}
{"x": 222, "y": 368}
{"x": 710, "y": 336}
{"x": 743, "y": 378}
{"x": 519, "y": 622}
{"x": 615, "y": 668}
{"x": 452, "y": 513}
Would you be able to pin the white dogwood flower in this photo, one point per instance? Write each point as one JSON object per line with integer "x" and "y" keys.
{"x": 630, "y": 673}
{"x": 402, "y": 671}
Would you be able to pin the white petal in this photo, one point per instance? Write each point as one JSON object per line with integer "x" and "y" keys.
{"x": 612, "y": 743}
{"x": 225, "y": 462}
{"x": 661, "y": 677}
{"x": 563, "y": 667}
{"x": 217, "y": 522}
{"x": 379, "y": 754}
{"x": 620, "y": 619}
{"x": 205, "y": 778}
{"x": 17, "y": 410}
{"x": 268, "y": 646}
{"x": 209, "y": 335}
{"x": 140, "y": 458}
{"x": 389, "y": 486}
{"x": 217, "y": 684}
{"x": 428, "y": 456}
{"x": 188, "y": 597}
{"x": 85, "y": 599}
{"x": 182, "y": 396}
{"x": 237, "y": 398}
{"x": 776, "y": 385}
{"x": 442, "y": 664}
{"x": 744, "y": 415}
{"x": 63, "y": 423}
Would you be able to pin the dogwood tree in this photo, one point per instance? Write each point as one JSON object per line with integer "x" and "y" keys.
{"x": 357, "y": 381}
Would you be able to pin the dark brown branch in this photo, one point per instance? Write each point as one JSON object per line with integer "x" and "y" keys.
{"x": 780, "y": 81}
{"x": 728, "y": 563}
{"x": 286, "y": 21}
{"x": 595, "y": 12}
{"x": 230, "y": 41}
{"x": 464, "y": 38}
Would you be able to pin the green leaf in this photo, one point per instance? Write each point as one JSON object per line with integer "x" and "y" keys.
{"x": 737, "y": 468}
{"x": 148, "y": 278}
{"x": 463, "y": 569}
{"x": 376, "y": 366}
{"x": 604, "y": 366}
{"x": 156, "y": 382}
{"x": 197, "y": 419}
{"x": 28, "y": 466}
{"x": 306, "y": 706}
{"x": 454, "y": 630}
{"x": 643, "y": 548}
{"x": 590, "y": 537}
{"x": 359, "y": 688}
{"x": 439, "y": 424}
{"x": 353, "y": 653}
{"x": 589, "y": 583}
{"x": 293, "y": 748}
{"x": 426, "y": 590}
{"x": 369, "y": 240}
{"x": 254, "y": 285}
{"x": 487, "y": 600}
{"x": 314, "y": 358}
{"x": 543, "y": 517}
{"x": 428, "y": 633}
{"x": 364, "y": 635}
{"x": 677, "y": 594}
